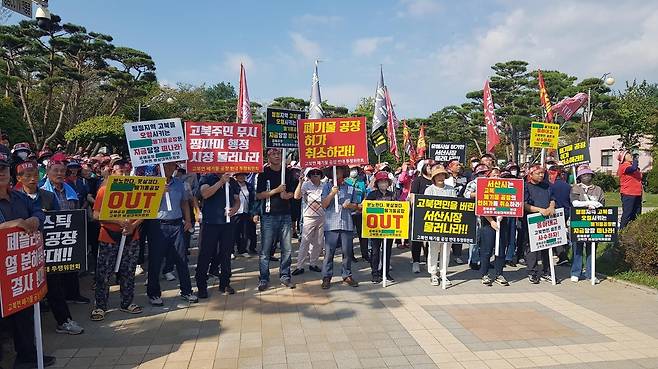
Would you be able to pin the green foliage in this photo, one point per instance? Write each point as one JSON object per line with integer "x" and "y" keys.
{"x": 105, "y": 129}
{"x": 607, "y": 182}
{"x": 11, "y": 122}
{"x": 652, "y": 176}
{"x": 637, "y": 109}
{"x": 639, "y": 243}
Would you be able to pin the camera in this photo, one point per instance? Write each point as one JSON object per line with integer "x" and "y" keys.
{"x": 43, "y": 17}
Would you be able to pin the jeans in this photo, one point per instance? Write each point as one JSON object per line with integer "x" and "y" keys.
{"x": 577, "y": 265}
{"x": 275, "y": 227}
{"x": 217, "y": 242}
{"x": 631, "y": 208}
{"x": 166, "y": 239}
{"x": 331, "y": 239}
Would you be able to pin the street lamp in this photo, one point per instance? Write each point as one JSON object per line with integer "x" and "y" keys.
{"x": 608, "y": 81}
{"x": 158, "y": 98}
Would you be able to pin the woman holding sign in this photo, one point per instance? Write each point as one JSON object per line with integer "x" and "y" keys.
{"x": 381, "y": 193}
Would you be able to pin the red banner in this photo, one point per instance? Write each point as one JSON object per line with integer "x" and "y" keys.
{"x": 490, "y": 118}
{"x": 224, "y": 147}
{"x": 499, "y": 197}
{"x": 23, "y": 276}
{"x": 327, "y": 142}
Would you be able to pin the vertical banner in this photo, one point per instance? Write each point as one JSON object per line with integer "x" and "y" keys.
{"x": 499, "y": 197}
{"x": 155, "y": 141}
{"x": 65, "y": 241}
{"x": 23, "y": 275}
{"x": 443, "y": 152}
{"x": 544, "y": 135}
{"x": 594, "y": 225}
{"x": 281, "y": 128}
{"x": 385, "y": 219}
{"x": 547, "y": 232}
{"x": 443, "y": 219}
{"x": 132, "y": 197}
{"x": 224, "y": 147}
{"x": 574, "y": 154}
{"x": 332, "y": 141}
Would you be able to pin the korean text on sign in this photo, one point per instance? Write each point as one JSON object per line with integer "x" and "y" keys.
{"x": 443, "y": 152}
{"x": 132, "y": 197}
{"x": 23, "y": 275}
{"x": 544, "y": 135}
{"x": 547, "y": 232}
{"x": 65, "y": 241}
{"x": 443, "y": 219}
{"x": 574, "y": 154}
{"x": 594, "y": 225}
{"x": 224, "y": 147}
{"x": 385, "y": 219}
{"x": 281, "y": 128}
{"x": 155, "y": 141}
{"x": 499, "y": 197}
{"x": 332, "y": 141}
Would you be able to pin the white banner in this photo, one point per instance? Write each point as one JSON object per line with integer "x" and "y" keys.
{"x": 155, "y": 141}
{"x": 547, "y": 232}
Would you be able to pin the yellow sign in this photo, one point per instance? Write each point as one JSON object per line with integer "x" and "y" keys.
{"x": 544, "y": 135}
{"x": 385, "y": 219}
{"x": 132, "y": 197}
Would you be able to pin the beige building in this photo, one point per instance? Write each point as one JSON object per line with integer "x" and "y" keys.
{"x": 604, "y": 150}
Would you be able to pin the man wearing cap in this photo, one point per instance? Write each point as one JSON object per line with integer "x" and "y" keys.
{"x": 488, "y": 160}
{"x": 630, "y": 187}
{"x": 275, "y": 222}
{"x": 377, "y": 262}
{"x": 309, "y": 190}
{"x": 538, "y": 198}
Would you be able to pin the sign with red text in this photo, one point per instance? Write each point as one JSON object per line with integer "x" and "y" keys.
{"x": 499, "y": 197}
{"x": 547, "y": 232}
{"x": 132, "y": 197}
{"x": 332, "y": 141}
{"x": 23, "y": 275}
{"x": 544, "y": 135}
{"x": 155, "y": 141}
{"x": 444, "y": 219}
{"x": 224, "y": 147}
{"x": 385, "y": 219}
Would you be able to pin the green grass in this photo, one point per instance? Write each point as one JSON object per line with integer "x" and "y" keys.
{"x": 649, "y": 200}
{"x": 608, "y": 263}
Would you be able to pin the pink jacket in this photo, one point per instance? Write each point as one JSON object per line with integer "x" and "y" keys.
{"x": 405, "y": 181}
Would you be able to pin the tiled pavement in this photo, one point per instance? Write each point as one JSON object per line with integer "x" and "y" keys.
{"x": 409, "y": 324}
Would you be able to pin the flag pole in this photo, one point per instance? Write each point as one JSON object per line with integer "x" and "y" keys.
{"x": 336, "y": 197}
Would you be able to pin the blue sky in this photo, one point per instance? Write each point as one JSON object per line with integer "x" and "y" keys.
{"x": 432, "y": 51}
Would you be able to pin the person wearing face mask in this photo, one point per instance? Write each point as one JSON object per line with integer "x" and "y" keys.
{"x": 538, "y": 198}
{"x": 473, "y": 163}
{"x": 309, "y": 190}
{"x": 357, "y": 181}
{"x": 438, "y": 188}
{"x": 43, "y": 158}
{"x": 584, "y": 194}
{"x": 381, "y": 193}
{"x": 491, "y": 227}
{"x": 418, "y": 186}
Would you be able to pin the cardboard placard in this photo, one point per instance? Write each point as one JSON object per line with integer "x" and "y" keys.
{"x": 499, "y": 197}
{"x": 132, "y": 197}
{"x": 332, "y": 141}
{"x": 155, "y": 141}
{"x": 594, "y": 225}
{"x": 443, "y": 219}
{"x": 544, "y": 135}
{"x": 65, "y": 241}
{"x": 574, "y": 154}
{"x": 385, "y": 219}
{"x": 547, "y": 232}
{"x": 443, "y": 152}
{"x": 281, "y": 128}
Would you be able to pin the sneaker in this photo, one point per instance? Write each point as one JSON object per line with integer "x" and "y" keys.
{"x": 228, "y": 290}
{"x": 389, "y": 277}
{"x": 262, "y": 286}
{"x": 326, "y": 283}
{"x": 202, "y": 293}
{"x": 288, "y": 284}
{"x": 434, "y": 280}
{"x": 354, "y": 259}
{"x": 376, "y": 279}
{"x": 350, "y": 282}
{"x": 232, "y": 256}
{"x": 546, "y": 277}
{"x": 533, "y": 279}
{"x": 415, "y": 267}
{"x": 79, "y": 300}
{"x": 574, "y": 279}
{"x": 510, "y": 263}
{"x": 459, "y": 261}
{"x": 170, "y": 276}
{"x": 69, "y": 328}
{"x": 139, "y": 270}
{"x": 245, "y": 254}
{"x": 448, "y": 283}
{"x": 501, "y": 281}
{"x": 156, "y": 301}
{"x": 474, "y": 266}
{"x": 562, "y": 262}
{"x": 190, "y": 298}
{"x": 298, "y": 271}
{"x": 487, "y": 281}
{"x": 315, "y": 268}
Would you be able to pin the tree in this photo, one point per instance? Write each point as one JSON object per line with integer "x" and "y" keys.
{"x": 11, "y": 122}
{"x": 637, "y": 108}
{"x": 105, "y": 129}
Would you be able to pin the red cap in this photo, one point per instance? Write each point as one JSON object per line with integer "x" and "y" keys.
{"x": 25, "y": 166}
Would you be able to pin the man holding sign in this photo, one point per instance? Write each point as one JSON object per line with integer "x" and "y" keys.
{"x": 538, "y": 199}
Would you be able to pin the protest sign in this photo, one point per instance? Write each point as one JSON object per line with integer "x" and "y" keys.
{"x": 224, "y": 147}
{"x": 499, "y": 197}
{"x": 281, "y": 128}
{"x": 155, "y": 141}
{"x": 385, "y": 219}
{"x": 443, "y": 219}
{"x": 594, "y": 225}
{"x": 544, "y": 135}
{"x": 332, "y": 141}
{"x": 65, "y": 241}
{"x": 547, "y": 232}
{"x": 443, "y": 152}
{"x": 132, "y": 197}
{"x": 574, "y": 154}
{"x": 23, "y": 277}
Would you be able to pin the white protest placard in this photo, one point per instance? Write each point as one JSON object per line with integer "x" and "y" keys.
{"x": 155, "y": 141}
{"x": 547, "y": 232}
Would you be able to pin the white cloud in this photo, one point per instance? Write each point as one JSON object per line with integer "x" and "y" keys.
{"x": 320, "y": 19}
{"x": 419, "y": 8}
{"x": 309, "y": 49}
{"x": 368, "y": 45}
{"x": 232, "y": 62}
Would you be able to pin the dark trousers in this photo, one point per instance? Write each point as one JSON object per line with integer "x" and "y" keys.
{"x": 416, "y": 246}
{"x": 142, "y": 245}
{"x": 631, "y": 208}
{"x": 357, "y": 219}
{"x": 245, "y": 234}
{"x": 57, "y": 298}
{"x": 163, "y": 238}
{"x": 456, "y": 250}
{"x": 377, "y": 256}
{"x": 93, "y": 229}
{"x": 532, "y": 258}
{"x": 216, "y": 240}
{"x": 488, "y": 244}
{"x": 22, "y": 328}
{"x": 71, "y": 284}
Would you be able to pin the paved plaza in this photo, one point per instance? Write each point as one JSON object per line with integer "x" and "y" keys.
{"x": 409, "y": 324}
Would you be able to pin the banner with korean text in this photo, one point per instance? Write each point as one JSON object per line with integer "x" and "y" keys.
{"x": 65, "y": 241}
{"x": 544, "y": 135}
{"x": 281, "y": 128}
{"x": 499, "y": 197}
{"x": 594, "y": 225}
{"x": 132, "y": 197}
{"x": 443, "y": 219}
{"x": 385, "y": 219}
{"x": 574, "y": 154}
{"x": 224, "y": 147}
{"x": 547, "y": 232}
{"x": 332, "y": 141}
{"x": 155, "y": 141}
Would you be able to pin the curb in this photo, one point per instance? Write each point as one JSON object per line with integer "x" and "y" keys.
{"x": 646, "y": 289}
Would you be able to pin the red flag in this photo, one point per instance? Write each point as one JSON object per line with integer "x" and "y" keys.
{"x": 421, "y": 145}
{"x": 568, "y": 107}
{"x": 244, "y": 108}
{"x": 407, "y": 143}
{"x": 490, "y": 118}
{"x": 543, "y": 97}
{"x": 393, "y": 123}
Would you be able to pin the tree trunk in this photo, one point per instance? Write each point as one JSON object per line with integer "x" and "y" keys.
{"x": 58, "y": 127}
{"x": 27, "y": 115}
{"x": 96, "y": 148}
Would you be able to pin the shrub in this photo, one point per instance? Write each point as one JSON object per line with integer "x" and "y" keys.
{"x": 607, "y": 182}
{"x": 639, "y": 243}
{"x": 652, "y": 176}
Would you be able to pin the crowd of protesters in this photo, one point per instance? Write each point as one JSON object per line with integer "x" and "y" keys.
{"x": 302, "y": 207}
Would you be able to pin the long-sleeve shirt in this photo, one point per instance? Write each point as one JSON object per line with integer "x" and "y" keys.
{"x": 405, "y": 180}
{"x": 630, "y": 179}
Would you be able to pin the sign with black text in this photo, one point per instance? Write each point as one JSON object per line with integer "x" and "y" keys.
{"x": 443, "y": 219}
{"x": 594, "y": 225}
{"x": 65, "y": 241}
{"x": 281, "y": 128}
{"x": 443, "y": 152}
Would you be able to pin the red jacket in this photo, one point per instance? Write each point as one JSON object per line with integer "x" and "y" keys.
{"x": 629, "y": 183}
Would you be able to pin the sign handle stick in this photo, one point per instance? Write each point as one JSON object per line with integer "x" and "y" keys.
{"x": 37, "y": 335}
{"x": 543, "y": 157}
{"x": 336, "y": 197}
{"x": 497, "y": 247}
{"x": 162, "y": 171}
{"x": 573, "y": 169}
{"x": 120, "y": 253}
{"x": 283, "y": 167}
{"x": 593, "y": 256}
{"x": 228, "y": 204}
{"x": 444, "y": 265}
{"x": 384, "y": 266}
{"x": 552, "y": 264}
